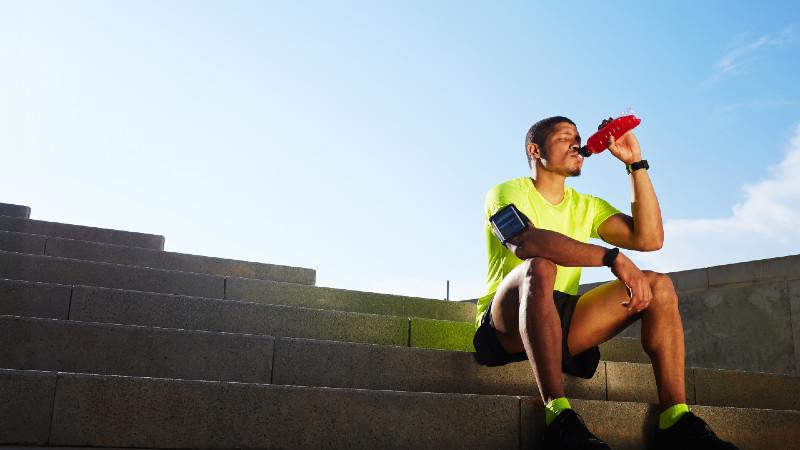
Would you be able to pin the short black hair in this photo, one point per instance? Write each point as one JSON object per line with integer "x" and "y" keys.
{"x": 538, "y": 133}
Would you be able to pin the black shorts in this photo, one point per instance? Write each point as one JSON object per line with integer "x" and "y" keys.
{"x": 489, "y": 352}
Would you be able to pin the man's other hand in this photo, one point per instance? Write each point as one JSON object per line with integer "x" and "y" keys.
{"x": 638, "y": 286}
{"x": 626, "y": 149}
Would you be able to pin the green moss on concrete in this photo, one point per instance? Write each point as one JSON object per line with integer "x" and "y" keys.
{"x": 440, "y": 310}
{"x": 442, "y": 334}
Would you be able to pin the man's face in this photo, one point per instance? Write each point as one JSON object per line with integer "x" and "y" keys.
{"x": 560, "y": 153}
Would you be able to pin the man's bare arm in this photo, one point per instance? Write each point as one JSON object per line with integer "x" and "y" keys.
{"x": 563, "y": 250}
{"x": 556, "y": 247}
{"x": 645, "y": 230}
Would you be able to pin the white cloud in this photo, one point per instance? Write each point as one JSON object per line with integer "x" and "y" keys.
{"x": 765, "y": 224}
{"x": 737, "y": 58}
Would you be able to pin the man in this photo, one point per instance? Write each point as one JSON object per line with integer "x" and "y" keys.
{"x": 532, "y": 310}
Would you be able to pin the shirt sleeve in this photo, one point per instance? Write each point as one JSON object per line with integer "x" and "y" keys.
{"x": 602, "y": 211}
{"x": 495, "y": 200}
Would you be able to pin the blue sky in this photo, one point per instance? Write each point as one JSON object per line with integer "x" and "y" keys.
{"x": 328, "y": 134}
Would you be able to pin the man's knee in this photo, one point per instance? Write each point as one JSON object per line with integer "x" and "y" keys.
{"x": 539, "y": 272}
{"x": 662, "y": 287}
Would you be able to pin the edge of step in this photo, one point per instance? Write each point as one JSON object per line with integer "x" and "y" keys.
{"x": 12, "y": 210}
{"x": 102, "y": 252}
{"x": 82, "y": 232}
{"x": 114, "y": 411}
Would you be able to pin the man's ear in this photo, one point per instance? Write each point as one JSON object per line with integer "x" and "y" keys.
{"x": 534, "y": 151}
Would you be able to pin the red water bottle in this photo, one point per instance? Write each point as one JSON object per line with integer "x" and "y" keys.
{"x": 617, "y": 127}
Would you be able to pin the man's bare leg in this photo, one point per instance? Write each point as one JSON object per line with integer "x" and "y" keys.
{"x": 525, "y": 318}
{"x": 599, "y": 316}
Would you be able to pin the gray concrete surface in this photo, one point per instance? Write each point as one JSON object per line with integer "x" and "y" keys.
{"x": 22, "y": 243}
{"x": 22, "y": 298}
{"x": 629, "y": 382}
{"x": 68, "y": 346}
{"x": 363, "y": 366}
{"x": 277, "y": 293}
{"x": 135, "y": 412}
{"x": 138, "y": 308}
{"x": 26, "y": 402}
{"x": 50, "y": 269}
{"x": 157, "y": 259}
{"x": 741, "y": 327}
{"x": 746, "y": 389}
{"x": 82, "y": 233}
{"x": 19, "y": 211}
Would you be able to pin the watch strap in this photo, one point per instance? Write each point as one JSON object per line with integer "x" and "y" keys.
{"x": 610, "y": 256}
{"x": 637, "y": 165}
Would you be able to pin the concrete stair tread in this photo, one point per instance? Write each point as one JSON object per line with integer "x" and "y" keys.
{"x": 89, "y": 347}
{"x": 150, "y": 258}
{"x": 11, "y": 210}
{"x": 81, "y": 232}
{"x": 67, "y": 409}
{"x": 50, "y": 269}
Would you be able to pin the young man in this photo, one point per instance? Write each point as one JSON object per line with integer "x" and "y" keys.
{"x": 532, "y": 310}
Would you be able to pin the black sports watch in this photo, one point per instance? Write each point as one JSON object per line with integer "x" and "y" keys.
{"x": 610, "y": 256}
{"x": 637, "y": 165}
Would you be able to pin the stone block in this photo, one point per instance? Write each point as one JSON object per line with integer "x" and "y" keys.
{"x": 21, "y": 298}
{"x": 18, "y": 211}
{"x": 787, "y": 267}
{"x": 82, "y": 233}
{"x": 157, "y": 259}
{"x": 630, "y": 382}
{"x": 57, "y": 345}
{"x": 49, "y": 269}
{"x": 740, "y": 328}
{"x": 348, "y": 365}
{"x": 794, "y": 301}
{"x": 277, "y": 293}
{"x": 442, "y": 334}
{"x": 747, "y": 389}
{"x": 624, "y": 350}
{"x": 753, "y": 429}
{"x": 156, "y": 413}
{"x": 26, "y": 402}
{"x": 139, "y": 308}
{"x": 738, "y": 273}
{"x": 22, "y": 243}
{"x": 689, "y": 280}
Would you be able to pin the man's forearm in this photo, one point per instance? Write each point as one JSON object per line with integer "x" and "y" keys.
{"x": 647, "y": 225}
{"x": 558, "y": 248}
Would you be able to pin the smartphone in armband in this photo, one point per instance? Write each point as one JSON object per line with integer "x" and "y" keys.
{"x": 508, "y": 223}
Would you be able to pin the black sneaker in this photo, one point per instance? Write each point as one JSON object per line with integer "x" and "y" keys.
{"x": 690, "y": 433}
{"x": 568, "y": 432}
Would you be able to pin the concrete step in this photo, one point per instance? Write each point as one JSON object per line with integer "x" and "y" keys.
{"x": 79, "y": 232}
{"x": 9, "y": 210}
{"x": 149, "y": 258}
{"x": 91, "y": 304}
{"x": 50, "y": 269}
{"x": 347, "y": 300}
{"x": 65, "y": 409}
{"x": 81, "y": 347}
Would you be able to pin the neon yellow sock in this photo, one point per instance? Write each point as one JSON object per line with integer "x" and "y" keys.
{"x": 671, "y": 415}
{"x": 554, "y": 407}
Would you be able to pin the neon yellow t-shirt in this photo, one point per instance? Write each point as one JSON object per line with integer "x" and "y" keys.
{"x": 577, "y": 216}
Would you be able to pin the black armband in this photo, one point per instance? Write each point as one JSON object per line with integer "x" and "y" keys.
{"x": 508, "y": 223}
